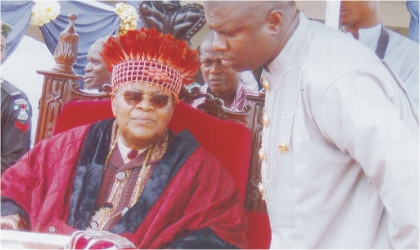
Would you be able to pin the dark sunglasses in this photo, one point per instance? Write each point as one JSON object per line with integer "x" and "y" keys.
{"x": 157, "y": 100}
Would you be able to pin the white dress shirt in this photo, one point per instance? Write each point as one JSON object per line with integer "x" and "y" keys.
{"x": 341, "y": 144}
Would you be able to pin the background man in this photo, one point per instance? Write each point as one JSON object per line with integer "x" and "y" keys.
{"x": 360, "y": 19}
{"x": 96, "y": 71}
{"x": 221, "y": 81}
{"x": 340, "y": 146}
{"x": 16, "y": 113}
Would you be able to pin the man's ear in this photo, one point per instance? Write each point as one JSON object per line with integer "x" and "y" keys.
{"x": 275, "y": 21}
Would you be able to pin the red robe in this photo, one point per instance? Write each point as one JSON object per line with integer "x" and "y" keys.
{"x": 200, "y": 195}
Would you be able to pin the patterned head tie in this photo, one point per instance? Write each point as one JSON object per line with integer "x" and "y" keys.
{"x": 147, "y": 56}
{"x": 5, "y": 29}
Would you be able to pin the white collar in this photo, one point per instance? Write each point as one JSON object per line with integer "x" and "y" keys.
{"x": 283, "y": 60}
{"x": 125, "y": 150}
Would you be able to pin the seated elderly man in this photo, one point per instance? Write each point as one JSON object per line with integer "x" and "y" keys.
{"x": 130, "y": 175}
{"x": 221, "y": 81}
{"x": 96, "y": 72}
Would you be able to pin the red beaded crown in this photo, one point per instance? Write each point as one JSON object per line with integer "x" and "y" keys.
{"x": 147, "y": 56}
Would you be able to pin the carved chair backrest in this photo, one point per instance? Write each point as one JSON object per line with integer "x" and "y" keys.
{"x": 182, "y": 21}
{"x": 59, "y": 89}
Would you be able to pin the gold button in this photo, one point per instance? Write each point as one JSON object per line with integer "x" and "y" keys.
{"x": 265, "y": 120}
{"x": 283, "y": 147}
{"x": 261, "y": 154}
{"x": 265, "y": 84}
{"x": 261, "y": 189}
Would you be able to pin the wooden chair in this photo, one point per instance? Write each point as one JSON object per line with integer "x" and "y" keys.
{"x": 60, "y": 84}
{"x": 228, "y": 141}
{"x": 63, "y": 106}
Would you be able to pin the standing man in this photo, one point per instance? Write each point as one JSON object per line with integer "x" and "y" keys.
{"x": 340, "y": 146}
{"x": 96, "y": 72}
{"x": 16, "y": 114}
{"x": 221, "y": 81}
{"x": 360, "y": 20}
